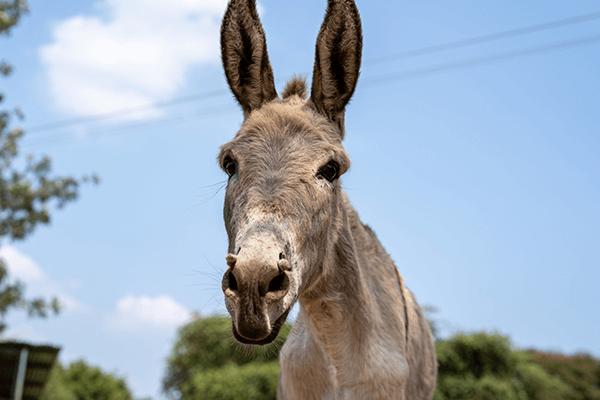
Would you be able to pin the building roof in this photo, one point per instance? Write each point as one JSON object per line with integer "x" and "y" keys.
{"x": 39, "y": 363}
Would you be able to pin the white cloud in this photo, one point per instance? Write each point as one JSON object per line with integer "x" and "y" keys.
{"x": 138, "y": 52}
{"x": 23, "y": 333}
{"x": 145, "y": 313}
{"x": 21, "y": 266}
{"x": 37, "y": 282}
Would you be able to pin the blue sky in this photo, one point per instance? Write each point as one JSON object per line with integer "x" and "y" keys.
{"x": 481, "y": 180}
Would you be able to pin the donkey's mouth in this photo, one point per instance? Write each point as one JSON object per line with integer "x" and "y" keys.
{"x": 275, "y": 328}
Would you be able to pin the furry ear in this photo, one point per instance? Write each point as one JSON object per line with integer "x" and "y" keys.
{"x": 244, "y": 55}
{"x": 337, "y": 60}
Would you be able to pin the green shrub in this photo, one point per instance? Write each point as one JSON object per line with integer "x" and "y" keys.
{"x": 476, "y": 354}
{"x": 253, "y": 381}
{"x": 484, "y": 366}
{"x": 207, "y": 363}
{"x": 492, "y": 387}
{"x": 56, "y": 388}
{"x": 454, "y": 387}
{"x": 208, "y": 343}
{"x": 81, "y": 381}
{"x": 580, "y": 372}
{"x": 540, "y": 385}
{"x": 91, "y": 383}
{"x": 488, "y": 387}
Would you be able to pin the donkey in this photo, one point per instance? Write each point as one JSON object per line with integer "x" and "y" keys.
{"x": 293, "y": 235}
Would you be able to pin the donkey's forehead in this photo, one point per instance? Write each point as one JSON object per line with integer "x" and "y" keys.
{"x": 289, "y": 119}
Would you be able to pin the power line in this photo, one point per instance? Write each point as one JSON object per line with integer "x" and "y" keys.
{"x": 372, "y": 61}
{"x": 488, "y": 59}
{"x": 58, "y": 139}
{"x": 376, "y": 80}
{"x": 127, "y": 111}
{"x": 485, "y": 38}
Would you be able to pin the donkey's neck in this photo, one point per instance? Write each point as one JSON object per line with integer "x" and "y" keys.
{"x": 340, "y": 309}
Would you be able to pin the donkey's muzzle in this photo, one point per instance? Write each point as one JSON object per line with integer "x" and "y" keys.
{"x": 255, "y": 282}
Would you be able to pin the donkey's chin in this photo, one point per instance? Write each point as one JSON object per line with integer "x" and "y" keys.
{"x": 275, "y": 328}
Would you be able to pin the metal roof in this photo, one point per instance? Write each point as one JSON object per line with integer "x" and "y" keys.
{"x": 40, "y": 360}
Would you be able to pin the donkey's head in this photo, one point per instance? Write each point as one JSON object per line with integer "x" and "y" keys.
{"x": 284, "y": 203}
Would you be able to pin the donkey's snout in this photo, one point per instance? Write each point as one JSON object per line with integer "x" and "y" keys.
{"x": 255, "y": 284}
{"x": 247, "y": 279}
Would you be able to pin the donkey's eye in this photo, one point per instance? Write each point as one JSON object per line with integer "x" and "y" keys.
{"x": 229, "y": 166}
{"x": 329, "y": 171}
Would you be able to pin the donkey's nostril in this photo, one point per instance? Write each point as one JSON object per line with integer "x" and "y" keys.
{"x": 284, "y": 265}
{"x": 281, "y": 256}
{"x": 231, "y": 282}
{"x": 280, "y": 282}
{"x": 231, "y": 260}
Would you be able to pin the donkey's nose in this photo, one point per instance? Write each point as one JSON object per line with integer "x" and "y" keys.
{"x": 249, "y": 277}
{"x": 255, "y": 282}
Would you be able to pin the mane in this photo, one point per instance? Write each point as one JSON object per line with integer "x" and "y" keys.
{"x": 295, "y": 86}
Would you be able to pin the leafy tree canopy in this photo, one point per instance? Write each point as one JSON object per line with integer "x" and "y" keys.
{"x": 251, "y": 381}
{"x": 81, "y": 381}
{"x": 486, "y": 367}
{"x": 10, "y": 13}
{"x": 11, "y": 296}
{"x": 207, "y": 363}
{"x": 206, "y": 346}
{"x": 26, "y": 191}
{"x": 580, "y": 372}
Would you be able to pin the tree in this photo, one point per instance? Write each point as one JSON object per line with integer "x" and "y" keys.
{"x": 580, "y": 372}
{"x": 56, "y": 386}
{"x": 10, "y": 13}
{"x": 81, "y": 381}
{"x": 27, "y": 191}
{"x": 484, "y": 366}
{"x": 252, "y": 381}
{"x": 207, "y": 363}
{"x": 11, "y": 296}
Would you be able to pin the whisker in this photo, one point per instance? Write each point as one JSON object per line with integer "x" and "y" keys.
{"x": 213, "y": 276}
{"x": 217, "y": 270}
{"x": 214, "y": 190}
{"x": 211, "y": 186}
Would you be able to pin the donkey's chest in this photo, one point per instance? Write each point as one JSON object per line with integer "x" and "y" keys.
{"x": 311, "y": 369}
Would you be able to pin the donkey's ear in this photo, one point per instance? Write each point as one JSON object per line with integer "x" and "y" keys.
{"x": 337, "y": 60}
{"x": 244, "y": 54}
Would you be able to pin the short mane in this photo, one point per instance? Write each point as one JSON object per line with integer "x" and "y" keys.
{"x": 295, "y": 86}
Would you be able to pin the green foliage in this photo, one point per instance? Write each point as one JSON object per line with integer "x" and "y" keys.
{"x": 207, "y": 345}
{"x": 56, "y": 388}
{"x": 207, "y": 363}
{"x": 581, "y": 373}
{"x": 25, "y": 191}
{"x": 81, "y": 381}
{"x": 252, "y": 381}
{"x": 485, "y": 366}
{"x": 489, "y": 387}
{"x": 10, "y": 13}
{"x": 476, "y": 354}
{"x": 12, "y": 297}
{"x": 539, "y": 384}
